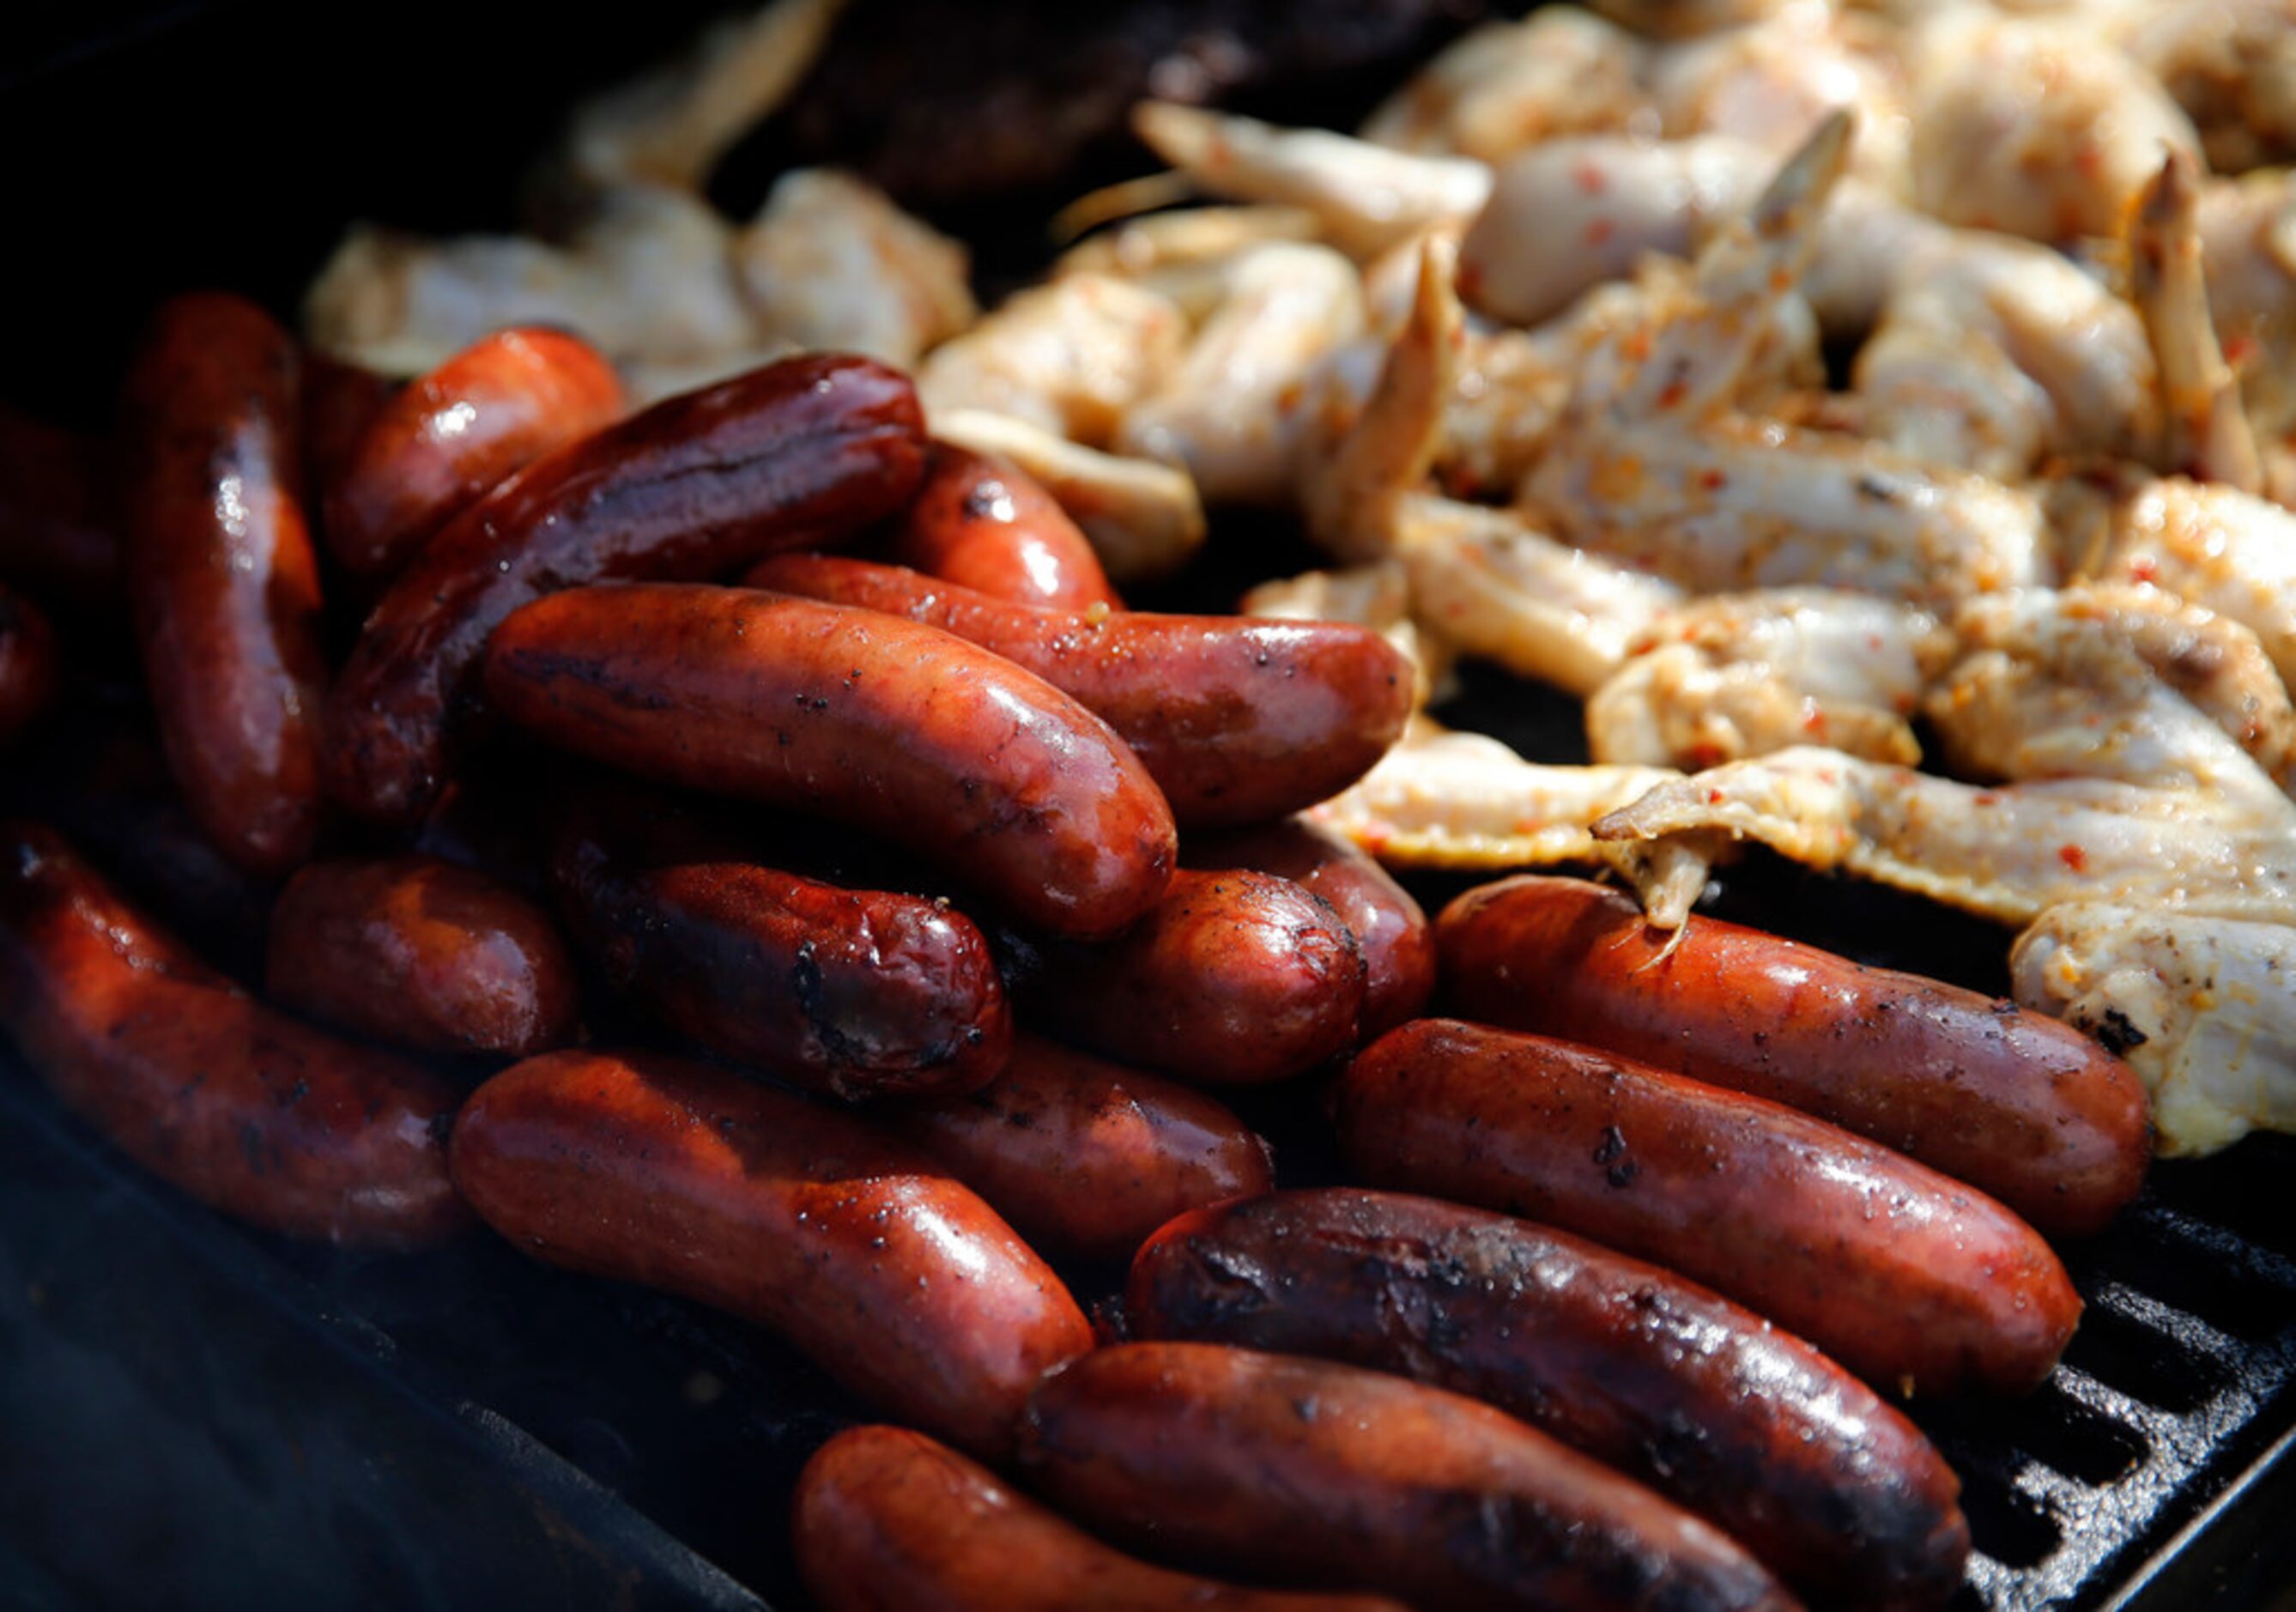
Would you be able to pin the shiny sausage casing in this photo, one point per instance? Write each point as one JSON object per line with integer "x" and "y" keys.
{"x": 1238, "y": 718}
{"x": 1393, "y": 934}
{"x": 1085, "y": 1156}
{"x": 1232, "y": 978}
{"x": 983, "y": 523}
{"x": 1321, "y": 1473}
{"x": 888, "y": 1520}
{"x": 1905, "y": 1276}
{"x": 901, "y": 730}
{"x": 450, "y": 436}
{"x": 1746, "y": 1425}
{"x": 801, "y": 451}
{"x": 243, "y": 1108}
{"x": 858, "y": 992}
{"x": 420, "y": 953}
{"x": 2020, "y": 1106}
{"x": 221, "y": 575}
{"x": 892, "y": 1276}
{"x": 28, "y": 663}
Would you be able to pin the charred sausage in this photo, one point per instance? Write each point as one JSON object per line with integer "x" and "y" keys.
{"x": 888, "y": 1520}
{"x": 1238, "y": 718}
{"x": 1393, "y": 934}
{"x": 1233, "y": 978}
{"x": 1326, "y": 1473}
{"x": 894, "y": 1279}
{"x": 421, "y": 953}
{"x": 1742, "y": 1424}
{"x": 222, "y": 578}
{"x": 1084, "y": 1156}
{"x": 900, "y": 730}
{"x": 243, "y": 1108}
{"x": 856, "y": 993}
{"x": 801, "y": 451}
{"x": 2020, "y": 1106}
{"x": 1905, "y": 1276}
{"x": 447, "y": 439}
{"x": 981, "y": 521}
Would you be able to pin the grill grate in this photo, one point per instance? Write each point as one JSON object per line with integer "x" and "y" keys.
{"x": 2187, "y": 1349}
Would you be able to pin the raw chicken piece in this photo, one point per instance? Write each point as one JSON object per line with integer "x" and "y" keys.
{"x": 2200, "y": 1008}
{"x": 1069, "y": 357}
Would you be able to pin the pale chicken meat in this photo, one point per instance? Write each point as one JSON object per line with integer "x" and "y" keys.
{"x": 2007, "y": 852}
{"x": 2034, "y": 125}
{"x": 2094, "y": 680}
{"x": 831, "y": 264}
{"x": 1071, "y": 358}
{"x": 1507, "y": 86}
{"x": 1729, "y": 676}
{"x": 649, "y": 278}
{"x": 2201, "y": 1007}
{"x": 1233, "y": 409}
{"x": 1366, "y": 197}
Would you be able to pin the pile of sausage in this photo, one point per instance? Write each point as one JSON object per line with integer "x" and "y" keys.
{"x": 963, "y": 881}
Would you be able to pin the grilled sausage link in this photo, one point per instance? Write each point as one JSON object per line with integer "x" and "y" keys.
{"x": 1233, "y": 978}
{"x": 421, "y": 953}
{"x": 858, "y": 992}
{"x": 1742, "y": 1424}
{"x": 899, "y": 729}
{"x": 1238, "y": 718}
{"x": 28, "y": 663}
{"x": 2020, "y": 1106}
{"x": 982, "y": 522}
{"x": 698, "y": 485}
{"x": 449, "y": 437}
{"x": 1905, "y": 1276}
{"x": 888, "y": 1520}
{"x": 221, "y": 575}
{"x": 894, "y": 1280}
{"x": 243, "y": 1108}
{"x": 1084, "y": 1156}
{"x": 1390, "y": 931}
{"x": 1326, "y": 1473}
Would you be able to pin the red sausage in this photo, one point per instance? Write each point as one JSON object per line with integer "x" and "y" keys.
{"x": 110, "y": 781}
{"x": 447, "y": 440}
{"x": 420, "y": 953}
{"x": 901, "y": 730}
{"x": 243, "y": 1108}
{"x": 983, "y": 523}
{"x": 1747, "y": 1427}
{"x": 1232, "y": 978}
{"x": 856, "y": 993}
{"x": 1087, "y": 1157}
{"x": 894, "y": 1280}
{"x": 28, "y": 663}
{"x": 340, "y": 400}
{"x": 222, "y": 578}
{"x": 1906, "y": 1278}
{"x": 887, "y": 1520}
{"x": 2020, "y": 1106}
{"x": 57, "y": 532}
{"x": 797, "y": 452}
{"x": 1237, "y": 718}
{"x": 1397, "y": 946}
{"x": 1320, "y": 1472}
